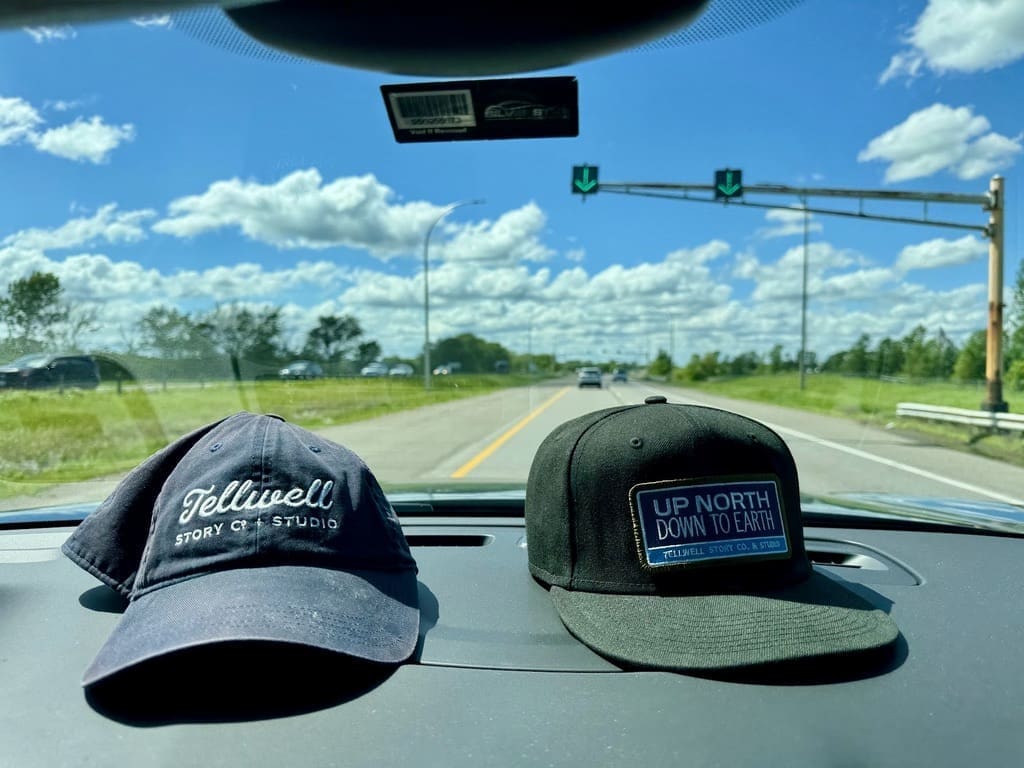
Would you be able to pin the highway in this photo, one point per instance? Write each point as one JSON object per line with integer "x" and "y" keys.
{"x": 492, "y": 439}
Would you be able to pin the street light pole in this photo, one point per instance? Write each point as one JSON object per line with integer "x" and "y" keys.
{"x": 803, "y": 305}
{"x": 426, "y": 286}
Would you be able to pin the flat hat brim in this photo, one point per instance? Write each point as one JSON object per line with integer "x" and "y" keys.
{"x": 368, "y": 614}
{"x": 702, "y": 633}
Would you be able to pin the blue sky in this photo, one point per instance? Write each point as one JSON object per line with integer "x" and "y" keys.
{"x": 145, "y": 167}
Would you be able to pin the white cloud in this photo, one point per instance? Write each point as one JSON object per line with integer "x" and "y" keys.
{"x": 576, "y": 255}
{"x": 513, "y": 237}
{"x": 91, "y": 140}
{"x": 782, "y": 280}
{"x": 938, "y": 138}
{"x": 300, "y": 211}
{"x": 153, "y": 22}
{"x": 787, "y": 222}
{"x": 961, "y": 36}
{"x": 64, "y": 105}
{"x": 107, "y": 225}
{"x": 941, "y": 253}
{"x": 49, "y": 34}
{"x": 18, "y": 120}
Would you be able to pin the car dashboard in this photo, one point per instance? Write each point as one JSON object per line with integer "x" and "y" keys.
{"x": 497, "y": 680}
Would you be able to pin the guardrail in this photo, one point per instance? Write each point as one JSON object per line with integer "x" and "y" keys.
{"x": 985, "y": 419}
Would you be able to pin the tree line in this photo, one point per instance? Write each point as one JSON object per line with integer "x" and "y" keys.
{"x": 919, "y": 355}
{"x": 227, "y": 341}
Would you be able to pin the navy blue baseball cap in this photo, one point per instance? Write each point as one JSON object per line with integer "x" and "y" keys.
{"x": 251, "y": 528}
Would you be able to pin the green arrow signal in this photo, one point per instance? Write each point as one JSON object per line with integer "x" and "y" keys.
{"x": 728, "y": 189}
{"x": 586, "y": 184}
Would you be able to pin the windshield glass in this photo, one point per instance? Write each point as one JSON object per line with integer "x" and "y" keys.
{"x": 30, "y": 361}
{"x": 221, "y": 229}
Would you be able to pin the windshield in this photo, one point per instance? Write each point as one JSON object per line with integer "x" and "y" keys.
{"x": 30, "y": 361}
{"x": 223, "y": 230}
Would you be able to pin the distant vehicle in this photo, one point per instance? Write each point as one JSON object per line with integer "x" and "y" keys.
{"x": 501, "y": 366}
{"x": 301, "y": 369}
{"x": 589, "y": 377}
{"x": 442, "y": 370}
{"x": 620, "y": 375}
{"x": 401, "y": 369}
{"x": 374, "y": 370}
{"x": 39, "y": 371}
{"x": 524, "y": 110}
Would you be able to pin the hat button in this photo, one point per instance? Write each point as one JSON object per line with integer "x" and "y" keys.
{"x": 655, "y": 399}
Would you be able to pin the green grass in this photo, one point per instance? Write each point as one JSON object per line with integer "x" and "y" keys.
{"x": 48, "y": 437}
{"x": 874, "y": 402}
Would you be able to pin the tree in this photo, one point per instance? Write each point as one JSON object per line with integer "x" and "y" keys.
{"x": 970, "y": 363}
{"x": 944, "y": 354}
{"x": 333, "y": 338}
{"x": 857, "y": 360}
{"x": 661, "y": 365}
{"x": 889, "y": 357}
{"x": 475, "y": 355}
{"x": 32, "y": 309}
{"x": 1015, "y": 327}
{"x": 79, "y": 319}
{"x": 743, "y": 364}
{"x": 917, "y": 363}
{"x": 253, "y": 335}
{"x": 169, "y": 333}
{"x": 366, "y": 353}
{"x": 775, "y": 359}
{"x": 704, "y": 366}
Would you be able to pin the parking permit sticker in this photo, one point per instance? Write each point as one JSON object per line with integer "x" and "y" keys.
{"x": 684, "y": 523}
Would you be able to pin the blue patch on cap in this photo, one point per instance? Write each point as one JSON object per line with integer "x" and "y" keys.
{"x": 682, "y": 523}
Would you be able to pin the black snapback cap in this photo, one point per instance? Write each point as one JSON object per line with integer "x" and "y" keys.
{"x": 671, "y": 537}
{"x": 251, "y": 528}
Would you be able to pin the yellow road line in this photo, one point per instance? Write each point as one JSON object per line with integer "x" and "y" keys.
{"x": 473, "y": 463}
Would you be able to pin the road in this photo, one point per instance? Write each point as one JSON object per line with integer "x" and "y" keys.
{"x": 492, "y": 439}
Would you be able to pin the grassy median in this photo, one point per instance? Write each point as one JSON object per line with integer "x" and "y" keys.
{"x": 874, "y": 401}
{"x": 52, "y": 437}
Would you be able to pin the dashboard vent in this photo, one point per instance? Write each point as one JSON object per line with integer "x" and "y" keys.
{"x": 858, "y": 563}
{"x": 449, "y": 540}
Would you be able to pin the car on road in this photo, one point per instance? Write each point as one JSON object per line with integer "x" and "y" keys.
{"x": 620, "y": 374}
{"x": 589, "y": 376}
{"x": 401, "y": 370}
{"x": 40, "y": 371}
{"x": 301, "y": 369}
{"x": 374, "y": 370}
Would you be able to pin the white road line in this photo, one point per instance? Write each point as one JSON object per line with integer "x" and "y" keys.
{"x": 885, "y": 462}
{"x": 896, "y": 465}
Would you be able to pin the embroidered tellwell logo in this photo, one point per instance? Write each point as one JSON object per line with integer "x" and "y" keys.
{"x": 239, "y": 497}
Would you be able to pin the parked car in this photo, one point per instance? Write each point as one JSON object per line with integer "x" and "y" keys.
{"x": 403, "y": 370}
{"x": 589, "y": 377}
{"x": 301, "y": 369}
{"x": 374, "y": 370}
{"x": 38, "y": 371}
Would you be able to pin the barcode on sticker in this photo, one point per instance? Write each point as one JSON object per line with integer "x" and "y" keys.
{"x": 444, "y": 109}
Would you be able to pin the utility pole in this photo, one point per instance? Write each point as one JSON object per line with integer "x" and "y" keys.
{"x": 994, "y": 341}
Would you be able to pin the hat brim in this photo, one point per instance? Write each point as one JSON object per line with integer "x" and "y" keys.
{"x": 813, "y": 619}
{"x": 371, "y": 615}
